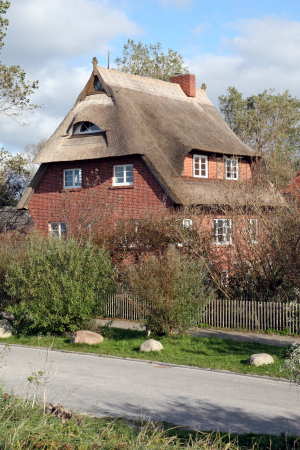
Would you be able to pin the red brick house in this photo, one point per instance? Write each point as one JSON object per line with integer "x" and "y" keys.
{"x": 133, "y": 145}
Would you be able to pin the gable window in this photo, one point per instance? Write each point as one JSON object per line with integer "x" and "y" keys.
{"x": 200, "y": 166}
{"x": 98, "y": 86}
{"x": 232, "y": 169}
{"x": 222, "y": 231}
{"x": 87, "y": 128}
{"x": 123, "y": 175}
{"x": 58, "y": 229}
{"x": 72, "y": 178}
{"x": 253, "y": 230}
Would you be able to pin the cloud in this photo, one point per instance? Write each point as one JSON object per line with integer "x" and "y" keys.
{"x": 40, "y": 31}
{"x": 264, "y": 55}
{"x": 52, "y": 41}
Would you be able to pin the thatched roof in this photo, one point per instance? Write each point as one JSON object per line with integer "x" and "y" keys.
{"x": 13, "y": 219}
{"x": 144, "y": 116}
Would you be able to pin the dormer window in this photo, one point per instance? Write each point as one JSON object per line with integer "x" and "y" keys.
{"x": 87, "y": 128}
{"x": 98, "y": 86}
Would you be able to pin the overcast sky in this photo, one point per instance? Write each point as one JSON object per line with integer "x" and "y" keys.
{"x": 252, "y": 45}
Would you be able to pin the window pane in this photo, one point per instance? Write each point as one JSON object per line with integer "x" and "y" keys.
{"x": 129, "y": 174}
{"x": 63, "y": 228}
{"x": 77, "y": 178}
{"x": 68, "y": 178}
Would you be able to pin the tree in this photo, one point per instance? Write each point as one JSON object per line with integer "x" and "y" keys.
{"x": 15, "y": 91}
{"x": 14, "y": 177}
{"x": 152, "y": 62}
{"x": 270, "y": 124}
{"x": 30, "y": 152}
{"x": 170, "y": 287}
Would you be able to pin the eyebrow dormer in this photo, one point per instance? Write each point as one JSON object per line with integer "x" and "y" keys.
{"x": 86, "y": 128}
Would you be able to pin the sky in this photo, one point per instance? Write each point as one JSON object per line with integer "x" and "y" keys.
{"x": 252, "y": 45}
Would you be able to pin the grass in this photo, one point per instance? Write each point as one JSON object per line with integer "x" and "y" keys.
{"x": 212, "y": 353}
{"x": 25, "y": 426}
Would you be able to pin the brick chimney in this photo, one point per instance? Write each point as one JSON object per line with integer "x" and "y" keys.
{"x": 187, "y": 83}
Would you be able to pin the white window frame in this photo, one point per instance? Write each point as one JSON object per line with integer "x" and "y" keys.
{"x": 77, "y": 130}
{"x": 73, "y": 186}
{"x": 227, "y": 232}
{"x": 125, "y": 183}
{"x": 60, "y": 231}
{"x": 233, "y": 175}
{"x": 206, "y": 166}
{"x": 187, "y": 223}
{"x": 250, "y": 222}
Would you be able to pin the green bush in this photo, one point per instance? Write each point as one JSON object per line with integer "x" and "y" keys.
{"x": 58, "y": 284}
{"x": 171, "y": 288}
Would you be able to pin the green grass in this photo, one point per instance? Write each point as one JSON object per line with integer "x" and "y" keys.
{"x": 213, "y": 353}
{"x": 25, "y": 426}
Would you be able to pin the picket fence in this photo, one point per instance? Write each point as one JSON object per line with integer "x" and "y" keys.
{"x": 251, "y": 315}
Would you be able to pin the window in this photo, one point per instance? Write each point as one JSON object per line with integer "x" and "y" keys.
{"x": 187, "y": 223}
{"x": 123, "y": 175}
{"x": 200, "y": 166}
{"x": 232, "y": 169}
{"x": 253, "y": 230}
{"x": 98, "y": 85}
{"x": 72, "y": 179}
{"x": 222, "y": 231}
{"x": 224, "y": 278}
{"x": 58, "y": 229}
{"x": 86, "y": 128}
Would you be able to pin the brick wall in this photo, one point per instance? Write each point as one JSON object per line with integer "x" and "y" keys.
{"x": 97, "y": 198}
{"x": 216, "y": 167}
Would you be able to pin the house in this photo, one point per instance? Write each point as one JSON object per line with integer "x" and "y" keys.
{"x": 133, "y": 145}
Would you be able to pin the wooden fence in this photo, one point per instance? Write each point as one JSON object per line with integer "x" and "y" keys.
{"x": 250, "y": 315}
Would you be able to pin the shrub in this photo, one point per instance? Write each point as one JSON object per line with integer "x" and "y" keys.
{"x": 58, "y": 284}
{"x": 171, "y": 288}
{"x": 292, "y": 363}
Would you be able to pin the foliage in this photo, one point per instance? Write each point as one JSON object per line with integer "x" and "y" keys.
{"x": 292, "y": 363}
{"x": 152, "y": 62}
{"x": 58, "y": 284}
{"x": 14, "y": 177}
{"x": 171, "y": 288}
{"x": 15, "y": 91}
{"x": 270, "y": 124}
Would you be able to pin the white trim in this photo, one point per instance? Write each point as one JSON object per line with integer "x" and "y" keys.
{"x": 227, "y": 232}
{"x": 206, "y": 166}
{"x": 250, "y": 222}
{"x": 232, "y": 173}
{"x": 73, "y": 178}
{"x": 125, "y": 183}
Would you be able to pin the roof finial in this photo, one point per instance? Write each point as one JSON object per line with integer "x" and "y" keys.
{"x": 203, "y": 86}
{"x": 95, "y": 62}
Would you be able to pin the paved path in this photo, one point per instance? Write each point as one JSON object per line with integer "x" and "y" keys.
{"x": 269, "y": 339}
{"x": 193, "y": 397}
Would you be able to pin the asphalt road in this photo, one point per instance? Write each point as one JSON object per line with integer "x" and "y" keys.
{"x": 201, "y": 399}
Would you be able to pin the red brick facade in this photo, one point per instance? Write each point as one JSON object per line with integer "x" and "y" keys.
{"x": 216, "y": 167}
{"x": 52, "y": 203}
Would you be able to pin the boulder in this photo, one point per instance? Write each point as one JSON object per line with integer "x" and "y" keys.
{"x": 6, "y": 329}
{"x": 6, "y": 315}
{"x": 151, "y": 346}
{"x": 259, "y": 359}
{"x": 86, "y": 337}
